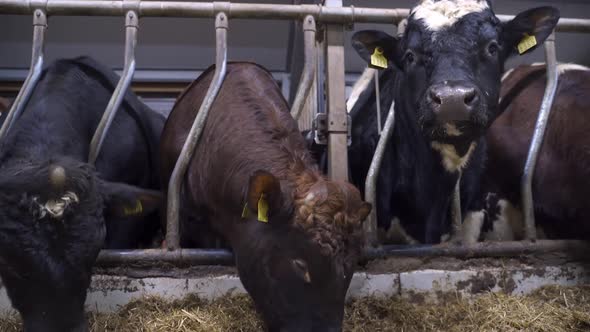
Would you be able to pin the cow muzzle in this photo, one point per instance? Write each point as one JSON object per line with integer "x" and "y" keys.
{"x": 452, "y": 101}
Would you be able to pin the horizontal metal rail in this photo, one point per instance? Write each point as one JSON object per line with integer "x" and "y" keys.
{"x": 225, "y": 257}
{"x": 343, "y": 15}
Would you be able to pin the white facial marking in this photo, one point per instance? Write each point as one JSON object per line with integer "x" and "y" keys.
{"x": 452, "y": 130}
{"x": 509, "y": 226}
{"x": 309, "y": 198}
{"x": 472, "y": 227}
{"x": 451, "y": 160}
{"x": 444, "y": 13}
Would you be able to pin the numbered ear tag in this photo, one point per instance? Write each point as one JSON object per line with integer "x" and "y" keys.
{"x": 377, "y": 58}
{"x": 262, "y": 209}
{"x": 133, "y": 210}
{"x": 526, "y": 43}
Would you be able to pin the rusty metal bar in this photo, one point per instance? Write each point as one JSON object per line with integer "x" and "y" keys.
{"x": 481, "y": 249}
{"x": 39, "y": 28}
{"x": 131, "y": 27}
{"x": 309, "y": 37}
{"x": 537, "y": 140}
{"x": 225, "y": 257}
{"x": 188, "y": 149}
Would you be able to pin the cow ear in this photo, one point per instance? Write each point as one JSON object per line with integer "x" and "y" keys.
{"x": 372, "y": 44}
{"x": 365, "y": 210}
{"x": 528, "y": 30}
{"x": 123, "y": 200}
{"x": 264, "y": 194}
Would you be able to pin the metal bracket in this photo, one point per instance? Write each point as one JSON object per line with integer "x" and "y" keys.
{"x": 320, "y": 129}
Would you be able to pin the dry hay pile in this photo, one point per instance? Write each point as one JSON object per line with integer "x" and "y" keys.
{"x": 550, "y": 309}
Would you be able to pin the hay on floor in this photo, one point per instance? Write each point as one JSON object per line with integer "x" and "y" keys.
{"x": 550, "y": 309}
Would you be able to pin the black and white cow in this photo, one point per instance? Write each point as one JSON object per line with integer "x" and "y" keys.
{"x": 53, "y": 205}
{"x": 444, "y": 75}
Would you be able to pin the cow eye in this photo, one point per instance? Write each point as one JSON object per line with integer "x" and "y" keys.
{"x": 493, "y": 48}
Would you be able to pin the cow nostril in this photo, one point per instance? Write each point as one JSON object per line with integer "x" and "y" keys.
{"x": 435, "y": 97}
{"x": 470, "y": 97}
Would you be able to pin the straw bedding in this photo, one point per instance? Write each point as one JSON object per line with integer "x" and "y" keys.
{"x": 550, "y": 309}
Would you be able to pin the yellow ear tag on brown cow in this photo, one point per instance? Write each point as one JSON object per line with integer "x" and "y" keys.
{"x": 526, "y": 43}
{"x": 377, "y": 58}
{"x": 262, "y": 209}
{"x": 134, "y": 210}
{"x": 245, "y": 211}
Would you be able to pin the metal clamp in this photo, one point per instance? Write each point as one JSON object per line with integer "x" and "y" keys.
{"x": 131, "y": 27}
{"x": 309, "y": 67}
{"x": 320, "y": 129}
{"x": 39, "y": 28}
{"x": 188, "y": 149}
{"x": 537, "y": 140}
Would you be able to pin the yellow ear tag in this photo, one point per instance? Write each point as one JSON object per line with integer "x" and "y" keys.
{"x": 245, "y": 211}
{"x": 262, "y": 209}
{"x": 526, "y": 43}
{"x": 137, "y": 209}
{"x": 377, "y": 58}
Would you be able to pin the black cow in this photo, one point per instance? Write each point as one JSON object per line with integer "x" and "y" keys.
{"x": 444, "y": 75}
{"x": 53, "y": 205}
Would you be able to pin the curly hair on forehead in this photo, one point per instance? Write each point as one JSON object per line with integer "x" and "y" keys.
{"x": 321, "y": 211}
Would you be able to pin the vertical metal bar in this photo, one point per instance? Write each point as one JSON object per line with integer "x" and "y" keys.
{"x": 131, "y": 27}
{"x": 537, "y": 140}
{"x": 456, "y": 216}
{"x": 370, "y": 225}
{"x": 309, "y": 31}
{"x": 39, "y": 28}
{"x": 188, "y": 149}
{"x": 336, "y": 93}
{"x": 378, "y": 101}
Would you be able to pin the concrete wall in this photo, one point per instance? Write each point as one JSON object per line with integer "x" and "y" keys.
{"x": 166, "y": 43}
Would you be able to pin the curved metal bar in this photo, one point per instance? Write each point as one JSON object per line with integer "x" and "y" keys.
{"x": 370, "y": 225}
{"x": 309, "y": 31}
{"x": 131, "y": 27}
{"x": 537, "y": 140}
{"x": 188, "y": 149}
{"x": 39, "y": 28}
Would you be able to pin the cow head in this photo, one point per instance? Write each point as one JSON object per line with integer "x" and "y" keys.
{"x": 451, "y": 58}
{"x": 298, "y": 262}
{"x": 51, "y": 230}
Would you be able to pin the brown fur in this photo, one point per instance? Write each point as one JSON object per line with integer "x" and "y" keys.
{"x": 560, "y": 188}
{"x": 3, "y": 105}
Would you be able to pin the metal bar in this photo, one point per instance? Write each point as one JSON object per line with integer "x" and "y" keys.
{"x": 180, "y": 256}
{"x": 456, "y": 217}
{"x": 323, "y": 14}
{"x": 225, "y": 257}
{"x": 309, "y": 31}
{"x": 39, "y": 28}
{"x": 537, "y": 140}
{"x": 481, "y": 249}
{"x": 378, "y": 101}
{"x": 131, "y": 27}
{"x": 361, "y": 84}
{"x": 188, "y": 149}
{"x": 370, "y": 225}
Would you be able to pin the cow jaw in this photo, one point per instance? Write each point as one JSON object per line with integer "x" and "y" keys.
{"x": 437, "y": 15}
{"x": 451, "y": 160}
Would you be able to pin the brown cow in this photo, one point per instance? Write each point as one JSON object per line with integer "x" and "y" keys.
{"x": 560, "y": 183}
{"x": 3, "y": 105}
{"x": 298, "y": 264}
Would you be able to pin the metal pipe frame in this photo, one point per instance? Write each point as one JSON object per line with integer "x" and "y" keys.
{"x": 131, "y": 27}
{"x": 39, "y": 28}
{"x": 309, "y": 67}
{"x": 537, "y": 140}
{"x": 324, "y": 14}
{"x": 225, "y": 257}
{"x": 188, "y": 149}
{"x": 456, "y": 216}
{"x": 370, "y": 225}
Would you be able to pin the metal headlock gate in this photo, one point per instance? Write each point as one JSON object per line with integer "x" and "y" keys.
{"x": 334, "y": 19}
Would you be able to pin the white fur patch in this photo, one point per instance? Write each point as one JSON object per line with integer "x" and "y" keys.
{"x": 472, "y": 227}
{"x": 56, "y": 208}
{"x": 452, "y": 130}
{"x": 509, "y": 226}
{"x": 437, "y": 15}
{"x": 451, "y": 160}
